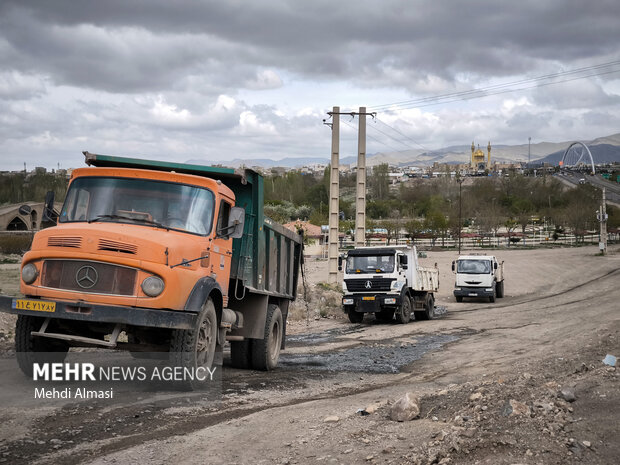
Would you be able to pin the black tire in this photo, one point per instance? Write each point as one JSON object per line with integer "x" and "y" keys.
{"x": 194, "y": 348}
{"x": 459, "y": 298}
{"x": 241, "y": 354}
{"x": 492, "y": 298}
{"x": 429, "y": 309}
{"x": 499, "y": 289}
{"x": 355, "y": 317}
{"x": 387, "y": 314}
{"x": 403, "y": 315}
{"x": 266, "y": 351}
{"x": 31, "y": 349}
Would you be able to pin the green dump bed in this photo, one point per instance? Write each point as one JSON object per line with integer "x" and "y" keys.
{"x": 266, "y": 259}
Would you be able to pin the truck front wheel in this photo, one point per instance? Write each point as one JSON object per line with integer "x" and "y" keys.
{"x": 33, "y": 349}
{"x": 355, "y": 317}
{"x": 403, "y": 315}
{"x": 266, "y": 351}
{"x": 194, "y": 348}
{"x": 499, "y": 289}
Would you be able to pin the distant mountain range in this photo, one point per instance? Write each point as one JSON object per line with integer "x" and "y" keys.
{"x": 603, "y": 149}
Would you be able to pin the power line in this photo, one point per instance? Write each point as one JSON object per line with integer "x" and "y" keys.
{"x": 374, "y": 138}
{"x": 499, "y": 88}
{"x": 391, "y": 137}
{"x": 404, "y": 135}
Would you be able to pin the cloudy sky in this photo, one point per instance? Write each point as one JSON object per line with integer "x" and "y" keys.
{"x": 225, "y": 79}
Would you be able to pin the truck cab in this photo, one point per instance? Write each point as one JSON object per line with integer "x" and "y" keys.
{"x": 178, "y": 257}
{"x": 480, "y": 276}
{"x": 387, "y": 281}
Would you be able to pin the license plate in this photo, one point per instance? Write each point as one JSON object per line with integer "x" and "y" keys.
{"x": 34, "y": 305}
{"x": 473, "y": 294}
{"x": 369, "y": 298}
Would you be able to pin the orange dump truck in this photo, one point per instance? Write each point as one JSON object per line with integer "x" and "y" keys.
{"x": 179, "y": 258}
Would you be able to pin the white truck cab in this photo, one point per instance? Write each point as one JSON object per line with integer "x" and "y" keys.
{"x": 478, "y": 276}
{"x": 387, "y": 281}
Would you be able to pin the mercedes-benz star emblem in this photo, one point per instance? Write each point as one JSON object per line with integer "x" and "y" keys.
{"x": 86, "y": 277}
{"x": 368, "y": 285}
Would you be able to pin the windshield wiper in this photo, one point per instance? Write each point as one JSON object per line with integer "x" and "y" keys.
{"x": 120, "y": 217}
{"x": 109, "y": 217}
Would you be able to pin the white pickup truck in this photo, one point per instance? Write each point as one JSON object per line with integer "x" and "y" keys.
{"x": 388, "y": 281}
{"x": 478, "y": 276}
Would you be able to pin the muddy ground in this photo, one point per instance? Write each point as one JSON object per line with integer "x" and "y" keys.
{"x": 520, "y": 381}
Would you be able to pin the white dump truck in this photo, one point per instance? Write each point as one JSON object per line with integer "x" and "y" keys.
{"x": 478, "y": 276}
{"x": 389, "y": 282}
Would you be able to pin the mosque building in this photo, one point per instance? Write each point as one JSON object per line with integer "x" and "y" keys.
{"x": 478, "y": 162}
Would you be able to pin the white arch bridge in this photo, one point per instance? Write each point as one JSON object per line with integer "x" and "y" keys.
{"x": 577, "y": 154}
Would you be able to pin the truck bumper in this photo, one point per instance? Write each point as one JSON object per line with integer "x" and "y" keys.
{"x": 370, "y": 303}
{"x": 473, "y": 292}
{"x": 82, "y": 311}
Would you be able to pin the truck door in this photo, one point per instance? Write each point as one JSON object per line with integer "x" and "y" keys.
{"x": 221, "y": 251}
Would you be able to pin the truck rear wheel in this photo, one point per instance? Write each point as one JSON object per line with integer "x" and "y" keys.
{"x": 194, "y": 348}
{"x": 241, "y": 354}
{"x": 355, "y": 317}
{"x": 33, "y": 349}
{"x": 429, "y": 309}
{"x": 403, "y": 314}
{"x": 499, "y": 289}
{"x": 266, "y": 351}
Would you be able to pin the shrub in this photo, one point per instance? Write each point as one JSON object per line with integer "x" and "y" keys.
{"x": 15, "y": 243}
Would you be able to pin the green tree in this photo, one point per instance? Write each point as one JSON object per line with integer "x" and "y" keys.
{"x": 379, "y": 182}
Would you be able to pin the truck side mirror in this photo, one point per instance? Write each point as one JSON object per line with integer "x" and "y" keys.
{"x": 339, "y": 263}
{"x": 403, "y": 260}
{"x": 495, "y": 266}
{"x": 453, "y": 265}
{"x": 236, "y": 221}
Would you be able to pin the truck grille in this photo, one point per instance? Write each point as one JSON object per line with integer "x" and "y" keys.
{"x": 368, "y": 285}
{"x": 64, "y": 241}
{"x": 89, "y": 277}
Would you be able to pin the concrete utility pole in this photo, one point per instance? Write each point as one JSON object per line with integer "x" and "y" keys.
{"x": 360, "y": 198}
{"x": 334, "y": 193}
{"x": 602, "y": 217}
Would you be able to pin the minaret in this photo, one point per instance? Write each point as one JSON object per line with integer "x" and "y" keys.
{"x": 489, "y": 157}
{"x": 473, "y": 148}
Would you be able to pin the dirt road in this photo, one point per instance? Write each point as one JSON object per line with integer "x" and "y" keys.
{"x": 489, "y": 377}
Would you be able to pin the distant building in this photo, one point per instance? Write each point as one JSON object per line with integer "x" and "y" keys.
{"x": 478, "y": 162}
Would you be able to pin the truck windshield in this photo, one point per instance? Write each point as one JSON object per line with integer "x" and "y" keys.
{"x": 473, "y": 266}
{"x": 139, "y": 201}
{"x": 371, "y": 264}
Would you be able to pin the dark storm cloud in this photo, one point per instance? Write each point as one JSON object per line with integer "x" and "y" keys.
{"x": 132, "y": 46}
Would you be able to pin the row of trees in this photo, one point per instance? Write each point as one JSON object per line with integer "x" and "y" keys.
{"x": 431, "y": 207}
{"x": 23, "y": 187}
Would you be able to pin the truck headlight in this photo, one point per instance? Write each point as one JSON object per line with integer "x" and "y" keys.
{"x": 489, "y": 289}
{"x": 29, "y": 273}
{"x": 153, "y": 286}
{"x": 397, "y": 285}
{"x": 348, "y": 301}
{"x": 457, "y": 288}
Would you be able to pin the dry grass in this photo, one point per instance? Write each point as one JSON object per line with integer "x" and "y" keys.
{"x": 15, "y": 243}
